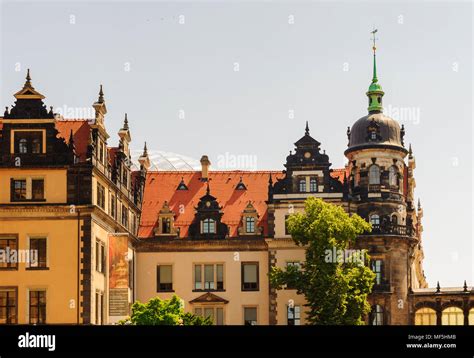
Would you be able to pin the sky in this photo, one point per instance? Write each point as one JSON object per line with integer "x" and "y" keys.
{"x": 237, "y": 80}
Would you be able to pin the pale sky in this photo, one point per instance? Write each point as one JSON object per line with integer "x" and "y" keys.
{"x": 247, "y": 75}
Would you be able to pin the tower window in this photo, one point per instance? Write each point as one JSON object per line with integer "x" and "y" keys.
{"x": 377, "y": 266}
{"x": 373, "y": 135}
{"x": 302, "y": 185}
{"x": 375, "y": 219}
{"x": 208, "y": 226}
{"x": 394, "y": 219}
{"x": 313, "y": 185}
{"x": 374, "y": 175}
{"x": 392, "y": 176}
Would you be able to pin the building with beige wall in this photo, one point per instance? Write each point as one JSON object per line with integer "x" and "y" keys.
{"x": 67, "y": 198}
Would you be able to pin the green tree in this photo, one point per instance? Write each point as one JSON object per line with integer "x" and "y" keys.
{"x": 335, "y": 288}
{"x": 163, "y": 312}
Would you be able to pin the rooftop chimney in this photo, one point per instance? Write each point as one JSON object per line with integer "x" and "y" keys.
{"x": 205, "y": 163}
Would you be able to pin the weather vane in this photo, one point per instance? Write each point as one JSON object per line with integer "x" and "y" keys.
{"x": 374, "y": 38}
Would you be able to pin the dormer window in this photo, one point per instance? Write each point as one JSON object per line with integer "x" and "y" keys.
{"x": 181, "y": 185}
{"x": 241, "y": 185}
{"x": 249, "y": 225}
{"x": 208, "y": 226}
{"x": 313, "y": 185}
{"x": 302, "y": 185}
{"x": 373, "y": 135}
{"x": 165, "y": 221}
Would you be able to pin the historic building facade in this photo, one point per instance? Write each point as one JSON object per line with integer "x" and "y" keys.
{"x": 105, "y": 235}
{"x": 68, "y": 205}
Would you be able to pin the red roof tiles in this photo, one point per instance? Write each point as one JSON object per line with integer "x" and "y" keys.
{"x": 80, "y": 131}
{"x": 161, "y": 186}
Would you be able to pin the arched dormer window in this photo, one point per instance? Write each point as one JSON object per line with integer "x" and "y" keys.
{"x": 249, "y": 224}
{"x": 166, "y": 226}
{"x": 392, "y": 176}
{"x": 375, "y": 219}
{"x": 374, "y": 175}
{"x": 208, "y": 226}
{"x": 23, "y": 146}
{"x": 313, "y": 185}
{"x": 302, "y": 185}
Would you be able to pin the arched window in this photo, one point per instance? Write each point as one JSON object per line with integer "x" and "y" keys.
{"x": 376, "y": 316}
{"x": 302, "y": 185}
{"x": 208, "y": 226}
{"x": 249, "y": 224}
{"x": 23, "y": 146}
{"x": 392, "y": 176}
{"x": 36, "y": 146}
{"x": 425, "y": 317}
{"x": 166, "y": 226}
{"x": 313, "y": 185}
{"x": 394, "y": 219}
{"x": 375, "y": 219}
{"x": 374, "y": 175}
{"x": 452, "y": 316}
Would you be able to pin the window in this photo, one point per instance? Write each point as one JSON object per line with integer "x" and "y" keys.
{"x": 130, "y": 273}
{"x": 8, "y": 305}
{"x": 166, "y": 225}
{"x": 38, "y": 246}
{"x": 100, "y": 256}
{"x": 452, "y": 316}
{"x": 37, "y": 307}
{"x": 208, "y": 226}
{"x": 392, "y": 176}
{"x": 377, "y": 267}
{"x": 212, "y": 275}
{"x": 124, "y": 216}
{"x": 376, "y": 316}
{"x": 250, "y": 316}
{"x": 164, "y": 278}
{"x": 313, "y": 185}
{"x": 18, "y": 189}
{"x": 295, "y": 264}
{"x": 215, "y": 313}
{"x": 394, "y": 219}
{"x": 375, "y": 219}
{"x": 113, "y": 204}
{"x": 374, "y": 175}
{"x": 37, "y": 189}
{"x": 28, "y": 142}
{"x": 293, "y": 315}
{"x": 101, "y": 152}
{"x": 100, "y": 195}
{"x": 8, "y": 244}
{"x": 124, "y": 176}
{"x": 302, "y": 185}
{"x": 249, "y": 224}
{"x": 373, "y": 135}
{"x": 99, "y": 307}
{"x": 425, "y": 317}
{"x": 286, "y": 225}
{"x": 250, "y": 276}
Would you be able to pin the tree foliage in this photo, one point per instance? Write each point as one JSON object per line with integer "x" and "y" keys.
{"x": 164, "y": 312}
{"x": 335, "y": 289}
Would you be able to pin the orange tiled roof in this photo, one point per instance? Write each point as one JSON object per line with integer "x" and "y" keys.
{"x": 339, "y": 174}
{"x": 80, "y": 131}
{"x": 161, "y": 186}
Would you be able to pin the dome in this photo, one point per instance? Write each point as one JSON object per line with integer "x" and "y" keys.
{"x": 376, "y": 130}
{"x": 161, "y": 160}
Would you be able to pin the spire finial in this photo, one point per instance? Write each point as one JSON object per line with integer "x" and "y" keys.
{"x": 374, "y": 48}
{"x": 438, "y": 287}
{"x": 306, "y": 132}
{"x": 145, "y": 151}
{"x": 101, "y": 95}
{"x": 270, "y": 180}
{"x": 419, "y": 204}
{"x": 28, "y": 79}
{"x": 375, "y": 92}
{"x": 410, "y": 152}
{"x": 125, "y": 122}
{"x": 465, "y": 286}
